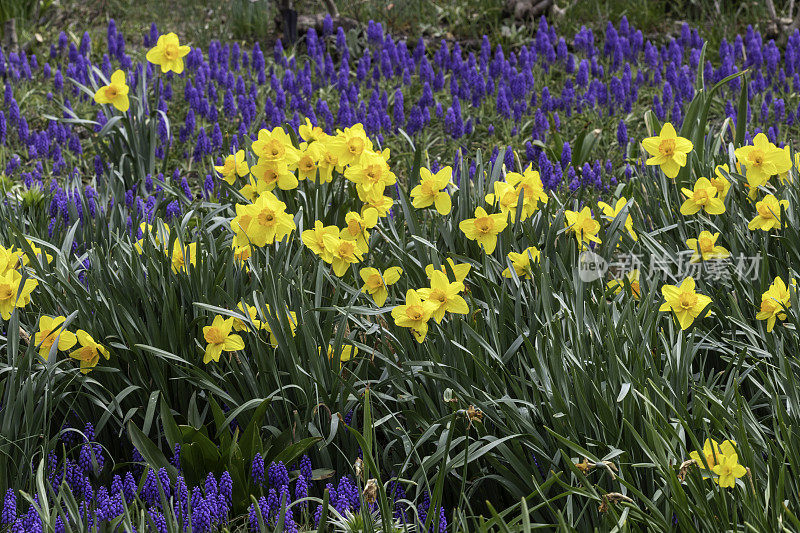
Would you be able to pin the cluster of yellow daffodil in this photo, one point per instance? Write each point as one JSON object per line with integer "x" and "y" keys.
{"x": 219, "y": 338}
{"x": 282, "y": 165}
{"x": 263, "y": 325}
{"x": 14, "y": 292}
{"x": 522, "y": 262}
{"x": 633, "y": 278}
{"x": 585, "y": 228}
{"x": 443, "y": 296}
{"x": 775, "y": 301}
{"x": 51, "y": 332}
{"x": 180, "y": 255}
{"x": 761, "y": 161}
{"x": 88, "y": 354}
{"x": 722, "y": 460}
{"x": 168, "y": 53}
{"x": 525, "y": 189}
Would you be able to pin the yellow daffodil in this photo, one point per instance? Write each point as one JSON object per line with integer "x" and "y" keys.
{"x": 704, "y": 196}
{"x": 275, "y": 145}
{"x": 377, "y": 201}
{"x": 583, "y": 226}
{"x": 263, "y": 222}
{"x": 347, "y": 353}
{"x": 160, "y": 236}
{"x": 414, "y": 314}
{"x": 460, "y": 271}
{"x": 90, "y": 351}
{"x": 179, "y": 257}
{"x": 11, "y": 295}
{"x": 271, "y": 174}
{"x": 684, "y": 302}
{"x": 371, "y": 173}
{"x": 610, "y": 213}
{"x": 445, "y": 295}
{"x": 376, "y": 284}
{"x": 531, "y": 184}
{"x": 522, "y": 262}
{"x": 314, "y": 239}
{"x": 432, "y": 190}
{"x": 506, "y": 197}
{"x": 769, "y": 213}
{"x": 291, "y": 319}
{"x": 349, "y": 145}
{"x": 326, "y": 160}
{"x": 252, "y": 312}
{"x": 115, "y": 93}
{"x": 51, "y": 331}
{"x": 752, "y": 192}
{"x": 633, "y": 277}
{"x": 310, "y": 132}
{"x": 343, "y": 253}
{"x": 720, "y": 182}
{"x": 235, "y": 165}
{"x": 728, "y": 470}
{"x": 788, "y": 176}
{"x": 705, "y": 247}
{"x": 712, "y": 454}
{"x": 667, "y": 150}
{"x": 306, "y": 166}
{"x": 774, "y": 303}
{"x": 356, "y": 227}
{"x": 484, "y": 228}
{"x": 37, "y": 252}
{"x": 241, "y": 254}
{"x": 762, "y": 160}
{"x": 168, "y": 53}
{"x": 218, "y": 336}
{"x": 9, "y": 259}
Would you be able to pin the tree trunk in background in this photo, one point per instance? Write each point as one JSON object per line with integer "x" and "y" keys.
{"x": 772, "y": 26}
{"x": 331, "y": 7}
{"x": 528, "y": 9}
{"x": 289, "y": 26}
{"x": 10, "y": 35}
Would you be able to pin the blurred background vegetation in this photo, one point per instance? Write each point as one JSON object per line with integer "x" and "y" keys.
{"x": 507, "y": 22}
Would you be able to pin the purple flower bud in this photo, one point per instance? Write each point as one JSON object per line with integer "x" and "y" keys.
{"x": 399, "y": 112}
{"x": 327, "y": 25}
{"x": 301, "y": 490}
{"x": 129, "y": 487}
{"x": 305, "y": 461}
{"x": 186, "y": 189}
{"x": 566, "y": 155}
{"x": 509, "y": 158}
{"x": 278, "y": 475}
{"x": 622, "y": 134}
{"x": 257, "y": 469}
{"x": 9, "y": 514}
